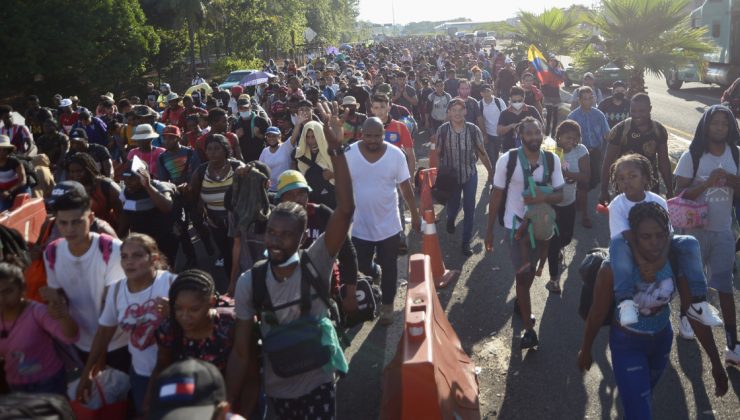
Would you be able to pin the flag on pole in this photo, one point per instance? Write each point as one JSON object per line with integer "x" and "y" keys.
{"x": 545, "y": 73}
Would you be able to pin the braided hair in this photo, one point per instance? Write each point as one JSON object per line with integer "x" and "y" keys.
{"x": 641, "y": 162}
{"x": 193, "y": 280}
{"x": 649, "y": 211}
{"x": 87, "y": 163}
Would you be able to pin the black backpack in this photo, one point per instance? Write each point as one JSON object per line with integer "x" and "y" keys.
{"x": 510, "y": 167}
{"x": 589, "y": 269}
{"x": 17, "y": 406}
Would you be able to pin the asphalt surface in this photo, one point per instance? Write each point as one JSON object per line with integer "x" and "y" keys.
{"x": 541, "y": 383}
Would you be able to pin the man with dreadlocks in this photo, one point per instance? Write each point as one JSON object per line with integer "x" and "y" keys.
{"x": 298, "y": 376}
{"x": 709, "y": 173}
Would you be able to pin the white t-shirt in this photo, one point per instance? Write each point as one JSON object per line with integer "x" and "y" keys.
{"x": 571, "y": 164}
{"x": 514, "y": 201}
{"x": 619, "y": 211}
{"x": 491, "y": 113}
{"x": 136, "y": 313}
{"x": 718, "y": 198}
{"x": 278, "y": 162}
{"x": 83, "y": 280}
{"x": 376, "y": 198}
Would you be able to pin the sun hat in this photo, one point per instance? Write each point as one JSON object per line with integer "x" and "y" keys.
{"x": 144, "y": 132}
{"x": 5, "y": 142}
{"x": 291, "y": 180}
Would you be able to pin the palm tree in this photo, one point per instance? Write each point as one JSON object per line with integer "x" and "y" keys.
{"x": 552, "y": 31}
{"x": 189, "y": 12}
{"x": 651, "y": 36}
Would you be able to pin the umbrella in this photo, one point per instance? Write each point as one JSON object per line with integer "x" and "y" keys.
{"x": 202, "y": 86}
{"x": 256, "y": 78}
{"x": 332, "y": 50}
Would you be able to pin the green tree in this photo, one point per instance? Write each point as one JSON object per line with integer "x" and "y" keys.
{"x": 188, "y": 12}
{"x": 552, "y": 31}
{"x": 85, "y": 45}
{"x": 647, "y": 35}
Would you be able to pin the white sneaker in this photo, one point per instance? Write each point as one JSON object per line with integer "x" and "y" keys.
{"x": 732, "y": 357}
{"x": 684, "y": 329}
{"x": 627, "y": 312}
{"x": 705, "y": 313}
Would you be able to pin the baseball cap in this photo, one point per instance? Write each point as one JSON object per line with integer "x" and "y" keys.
{"x": 272, "y": 130}
{"x": 171, "y": 130}
{"x": 291, "y": 180}
{"x": 68, "y": 189}
{"x": 588, "y": 74}
{"x": 349, "y": 101}
{"x": 78, "y": 133}
{"x": 485, "y": 86}
{"x": 242, "y": 102}
{"x": 65, "y": 102}
{"x": 385, "y": 88}
{"x": 189, "y": 389}
{"x": 619, "y": 83}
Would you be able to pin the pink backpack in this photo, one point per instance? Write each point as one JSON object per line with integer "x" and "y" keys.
{"x": 105, "y": 244}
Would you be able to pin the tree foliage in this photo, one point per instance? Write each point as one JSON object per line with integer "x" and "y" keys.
{"x": 648, "y": 35}
{"x": 552, "y": 31}
{"x": 87, "y": 45}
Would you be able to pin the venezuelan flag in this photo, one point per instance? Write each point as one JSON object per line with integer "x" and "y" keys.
{"x": 546, "y": 74}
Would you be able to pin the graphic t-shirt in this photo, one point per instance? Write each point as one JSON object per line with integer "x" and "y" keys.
{"x": 645, "y": 144}
{"x": 614, "y": 113}
{"x": 438, "y": 105}
{"x": 136, "y": 314}
{"x": 177, "y": 167}
{"x": 397, "y": 134}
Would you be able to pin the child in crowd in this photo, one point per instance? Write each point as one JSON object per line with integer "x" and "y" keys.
{"x": 137, "y": 304}
{"x": 28, "y": 331}
{"x": 631, "y": 175}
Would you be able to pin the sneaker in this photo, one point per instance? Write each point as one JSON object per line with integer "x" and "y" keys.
{"x": 219, "y": 262}
{"x": 705, "y": 313}
{"x": 386, "y": 314}
{"x": 732, "y": 357}
{"x": 529, "y": 340}
{"x": 627, "y": 312}
{"x": 467, "y": 250}
{"x": 684, "y": 329}
{"x": 450, "y": 227}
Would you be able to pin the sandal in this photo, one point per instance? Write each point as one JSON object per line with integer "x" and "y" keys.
{"x": 553, "y": 287}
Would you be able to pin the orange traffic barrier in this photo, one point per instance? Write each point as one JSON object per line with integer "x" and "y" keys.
{"x": 430, "y": 245}
{"x": 433, "y": 156}
{"x": 431, "y": 376}
{"x": 427, "y": 177}
{"x": 27, "y": 216}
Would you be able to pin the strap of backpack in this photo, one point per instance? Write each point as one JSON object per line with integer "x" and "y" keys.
{"x": 105, "y": 244}
{"x": 259, "y": 286}
{"x": 626, "y": 126}
{"x": 549, "y": 167}
{"x": 312, "y": 277}
{"x": 510, "y": 166}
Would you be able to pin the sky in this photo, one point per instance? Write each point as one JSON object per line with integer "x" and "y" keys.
{"x": 380, "y": 11}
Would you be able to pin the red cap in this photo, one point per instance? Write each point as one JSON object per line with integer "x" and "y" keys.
{"x": 171, "y": 130}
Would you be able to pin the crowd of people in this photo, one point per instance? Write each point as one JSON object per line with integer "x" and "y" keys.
{"x": 299, "y": 188}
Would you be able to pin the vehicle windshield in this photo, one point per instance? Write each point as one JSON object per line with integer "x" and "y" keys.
{"x": 236, "y": 77}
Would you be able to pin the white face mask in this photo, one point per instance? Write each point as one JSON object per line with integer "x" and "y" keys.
{"x": 517, "y": 105}
{"x": 294, "y": 119}
{"x": 245, "y": 114}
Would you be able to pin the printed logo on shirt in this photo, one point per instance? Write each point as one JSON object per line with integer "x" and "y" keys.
{"x": 392, "y": 137}
{"x": 140, "y": 321}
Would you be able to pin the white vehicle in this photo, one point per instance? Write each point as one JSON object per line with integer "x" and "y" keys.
{"x": 489, "y": 41}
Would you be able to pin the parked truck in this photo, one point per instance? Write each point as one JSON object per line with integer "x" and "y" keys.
{"x": 722, "y": 65}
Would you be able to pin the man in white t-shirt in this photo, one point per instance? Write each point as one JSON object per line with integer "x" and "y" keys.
{"x": 378, "y": 168}
{"x": 277, "y": 154}
{"x": 491, "y": 108}
{"x": 714, "y": 181}
{"x": 80, "y": 266}
{"x": 530, "y": 132}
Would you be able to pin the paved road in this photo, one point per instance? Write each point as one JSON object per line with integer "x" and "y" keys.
{"x": 543, "y": 383}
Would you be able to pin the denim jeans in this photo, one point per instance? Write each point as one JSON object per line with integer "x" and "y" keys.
{"x": 139, "y": 385}
{"x": 688, "y": 255}
{"x": 493, "y": 147}
{"x": 467, "y": 191}
{"x": 387, "y": 251}
{"x": 638, "y": 361}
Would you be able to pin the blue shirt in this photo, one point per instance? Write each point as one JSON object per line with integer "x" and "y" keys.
{"x": 652, "y": 299}
{"x": 97, "y": 131}
{"x": 594, "y": 126}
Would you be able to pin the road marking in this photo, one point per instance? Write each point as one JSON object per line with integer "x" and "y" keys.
{"x": 680, "y": 134}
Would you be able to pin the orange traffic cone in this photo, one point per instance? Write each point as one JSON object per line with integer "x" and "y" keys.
{"x": 427, "y": 178}
{"x": 430, "y": 246}
{"x": 433, "y": 156}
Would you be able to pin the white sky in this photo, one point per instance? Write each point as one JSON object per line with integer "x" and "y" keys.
{"x": 380, "y": 11}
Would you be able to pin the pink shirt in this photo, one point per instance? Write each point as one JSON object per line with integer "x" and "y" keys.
{"x": 29, "y": 348}
{"x": 151, "y": 158}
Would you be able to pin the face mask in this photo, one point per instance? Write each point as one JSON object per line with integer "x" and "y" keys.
{"x": 517, "y": 105}
{"x": 619, "y": 96}
{"x": 245, "y": 114}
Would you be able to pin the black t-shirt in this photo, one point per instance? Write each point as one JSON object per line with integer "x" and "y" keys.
{"x": 52, "y": 145}
{"x": 450, "y": 86}
{"x": 645, "y": 144}
{"x": 100, "y": 154}
{"x": 362, "y": 97}
{"x": 250, "y": 145}
{"x": 318, "y": 218}
{"x": 472, "y": 110}
{"x": 146, "y": 218}
{"x": 475, "y": 89}
{"x": 505, "y": 80}
{"x": 615, "y": 113}
{"x": 507, "y": 117}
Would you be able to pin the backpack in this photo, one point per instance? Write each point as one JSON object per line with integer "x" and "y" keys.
{"x": 311, "y": 278}
{"x": 510, "y": 166}
{"x": 496, "y": 100}
{"x": 628, "y": 125}
{"x": 588, "y": 271}
{"x": 31, "y": 179}
{"x": 18, "y": 405}
{"x": 541, "y": 217}
{"x": 105, "y": 244}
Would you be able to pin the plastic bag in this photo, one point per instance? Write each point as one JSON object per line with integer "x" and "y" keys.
{"x": 113, "y": 383}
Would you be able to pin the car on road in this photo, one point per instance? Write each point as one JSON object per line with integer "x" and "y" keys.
{"x": 234, "y": 78}
{"x": 489, "y": 41}
{"x": 605, "y": 75}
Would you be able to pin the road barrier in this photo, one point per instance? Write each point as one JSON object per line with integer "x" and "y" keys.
{"x": 430, "y": 246}
{"x": 427, "y": 178}
{"x": 27, "y": 216}
{"x": 430, "y": 377}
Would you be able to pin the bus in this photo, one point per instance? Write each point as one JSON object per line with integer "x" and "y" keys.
{"x": 722, "y": 65}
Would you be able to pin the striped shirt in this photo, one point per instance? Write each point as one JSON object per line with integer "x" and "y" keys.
{"x": 213, "y": 190}
{"x": 459, "y": 150}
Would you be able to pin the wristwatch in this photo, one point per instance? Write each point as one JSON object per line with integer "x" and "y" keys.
{"x": 338, "y": 150}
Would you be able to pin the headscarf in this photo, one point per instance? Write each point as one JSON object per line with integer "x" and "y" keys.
{"x": 322, "y": 159}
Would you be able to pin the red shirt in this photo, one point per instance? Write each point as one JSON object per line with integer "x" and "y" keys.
{"x": 174, "y": 116}
{"x": 200, "y": 145}
{"x": 68, "y": 120}
{"x": 397, "y": 134}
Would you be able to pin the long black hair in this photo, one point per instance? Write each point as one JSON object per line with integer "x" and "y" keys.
{"x": 87, "y": 163}
{"x": 699, "y": 145}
